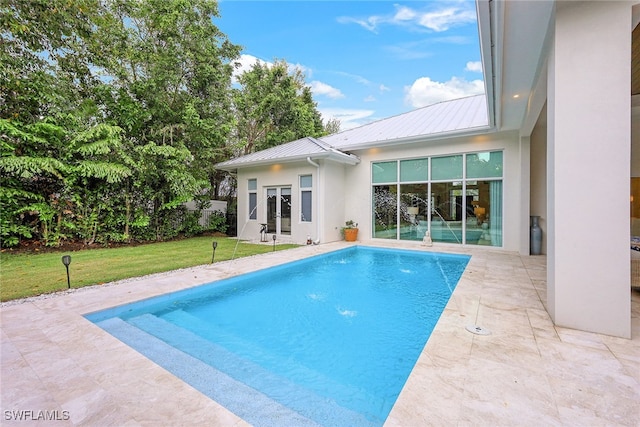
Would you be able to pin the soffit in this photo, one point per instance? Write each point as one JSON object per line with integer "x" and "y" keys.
{"x": 520, "y": 43}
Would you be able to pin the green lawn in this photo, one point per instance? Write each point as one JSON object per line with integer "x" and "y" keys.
{"x": 26, "y": 275}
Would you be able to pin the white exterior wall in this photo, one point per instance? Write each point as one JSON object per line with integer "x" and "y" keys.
{"x": 278, "y": 175}
{"x": 327, "y": 201}
{"x": 358, "y": 179}
{"x": 333, "y": 204}
{"x": 589, "y": 167}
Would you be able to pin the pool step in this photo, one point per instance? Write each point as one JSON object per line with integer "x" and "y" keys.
{"x": 202, "y": 364}
{"x": 246, "y": 402}
{"x": 272, "y": 363}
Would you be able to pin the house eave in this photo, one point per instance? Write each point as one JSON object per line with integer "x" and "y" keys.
{"x": 480, "y": 130}
{"x": 334, "y": 156}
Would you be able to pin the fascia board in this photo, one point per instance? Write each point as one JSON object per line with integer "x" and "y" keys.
{"x": 334, "y": 156}
{"x": 420, "y": 138}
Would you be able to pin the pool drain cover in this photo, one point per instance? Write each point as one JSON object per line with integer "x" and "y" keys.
{"x": 478, "y": 330}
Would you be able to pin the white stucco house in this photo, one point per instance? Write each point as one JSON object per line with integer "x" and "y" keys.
{"x": 553, "y": 137}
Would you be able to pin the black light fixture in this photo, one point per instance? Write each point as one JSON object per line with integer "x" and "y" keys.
{"x": 274, "y": 242}
{"x": 215, "y": 245}
{"x": 66, "y": 260}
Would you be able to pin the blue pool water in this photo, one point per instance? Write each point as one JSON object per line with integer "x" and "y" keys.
{"x": 329, "y": 340}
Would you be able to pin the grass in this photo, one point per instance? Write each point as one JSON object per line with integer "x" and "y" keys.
{"x": 24, "y": 275}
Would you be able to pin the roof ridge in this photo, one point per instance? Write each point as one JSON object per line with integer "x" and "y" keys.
{"x": 320, "y": 143}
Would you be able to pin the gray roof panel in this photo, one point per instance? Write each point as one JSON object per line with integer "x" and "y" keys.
{"x": 291, "y": 151}
{"x": 446, "y": 117}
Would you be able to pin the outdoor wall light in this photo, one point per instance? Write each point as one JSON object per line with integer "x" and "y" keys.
{"x": 215, "y": 245}
{"x": 274, "y": 242}
{"x": 66, "y": 260}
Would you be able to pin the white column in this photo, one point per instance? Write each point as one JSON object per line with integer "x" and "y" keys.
{"x": 589, "y": 137}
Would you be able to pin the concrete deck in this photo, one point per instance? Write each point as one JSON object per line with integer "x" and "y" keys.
{"x": 528, "y": 372}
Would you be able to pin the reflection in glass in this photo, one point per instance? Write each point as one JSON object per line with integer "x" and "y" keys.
{"x": 460, "y": 202}
{"x": 385, "y": 211}
{"x": 414, "y": 207}
{"x": 385, "y": 172}
{"x": 447, "y": 212}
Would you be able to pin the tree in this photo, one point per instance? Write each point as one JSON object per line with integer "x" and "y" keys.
{"x": 273, "y": 106}
{"x": 170, "y": 94}
{"x": 332, "y": 126}
{"x": 112, "y": 114}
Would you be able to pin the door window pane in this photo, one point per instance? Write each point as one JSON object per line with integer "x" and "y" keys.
{"x": 271, "y": 209}
{"x": 414, "y": 170}
{"x": 486, "y": 226}
{"x": 413, "y": 211}
{"x": 285, "y": 210}
{"x": 253, "y": 184}
{"x": 446, "y": 212}
{"x": 385, "y": 211}
{"x": 449, "y": 167}
{"x": 385, "y": 172}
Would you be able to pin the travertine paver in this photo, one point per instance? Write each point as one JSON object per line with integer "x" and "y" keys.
{"x": 55, "y": 364}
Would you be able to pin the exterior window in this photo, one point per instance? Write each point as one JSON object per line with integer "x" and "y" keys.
{"x": 306, "y": 196}
{"x": 385, "y": 172}
{"x": 253, "y": 198}
{"x": 457, "y": 198}
{"x": 449, "y": 167}
{"x": 484, "y": 165}
{"x": 414, "y": 170}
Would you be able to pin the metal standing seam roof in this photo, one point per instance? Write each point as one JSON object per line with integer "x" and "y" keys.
{"x": 446, "y": 118}
{"x": 291, "y": 151}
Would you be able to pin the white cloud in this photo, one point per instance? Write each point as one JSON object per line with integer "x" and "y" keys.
{"x": 370, "y": 98}
{"x": 444, "y": 19}
{"x": 475, "y": 66}
{"x": 425, "y": 91}
{"x": 319, "y": 88}
{"x": 384, "y": 88}
{"x": 369, "y": 23}
{"x": 246, "y": 62}
{"x": 404, "y": 13}
{"x": 348, "y": 118}
{"x": 358, "y": 79}
{"x": 435, "y": 20}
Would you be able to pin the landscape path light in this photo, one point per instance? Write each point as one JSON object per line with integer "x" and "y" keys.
{"x": 66, "y": 260}
{"x": 274, "y": 242}
{"x": 215, "y": 245}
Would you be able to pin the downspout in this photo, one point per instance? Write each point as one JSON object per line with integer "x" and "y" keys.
{"x": 312, "y": 163}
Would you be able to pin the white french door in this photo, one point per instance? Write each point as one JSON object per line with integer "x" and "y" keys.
{"x": 279, "y": 210}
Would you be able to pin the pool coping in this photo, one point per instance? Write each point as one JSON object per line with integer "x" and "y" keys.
{"x": 56, "y": 363}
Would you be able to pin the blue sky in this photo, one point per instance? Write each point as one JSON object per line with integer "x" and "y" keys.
{"x": 364, "y": 60}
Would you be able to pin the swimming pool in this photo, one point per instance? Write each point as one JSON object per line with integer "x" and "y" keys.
{"x": 329, "y": 340}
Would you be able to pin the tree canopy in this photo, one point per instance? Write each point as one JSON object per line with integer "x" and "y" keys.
{"x": 113, "y": 113}
{"x": 274, "y": 106}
